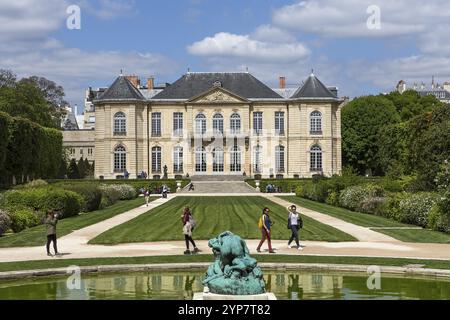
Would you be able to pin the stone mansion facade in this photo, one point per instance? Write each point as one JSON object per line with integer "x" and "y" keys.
{"x": 217, "y": 124}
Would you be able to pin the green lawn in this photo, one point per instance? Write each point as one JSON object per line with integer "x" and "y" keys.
{"x": 36, "y": 236}
{"x": 61, "y": 263}
{"x": 214, "y": 215}
{"x": 372, "y": 221}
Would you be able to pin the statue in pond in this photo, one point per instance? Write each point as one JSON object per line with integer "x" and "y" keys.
{"x": 233, "y": 272}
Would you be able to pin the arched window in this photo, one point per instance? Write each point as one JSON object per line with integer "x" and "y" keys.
{"x": 120, "y": 159}
{"x": 120, "y": 124}
{"x": 200, "y": 124}
{"x": 279, "y": 159}
{"x": 218, "y": 160}
{"x": 218, "y": 124}
{"x": 316, "y": 158}
{"x": 235, "y": 123}
{"x": 200, "y": 159}
{"x": 257, "y": 159}
{"x": 178, "y": 159}
{"x": 316, "y": 122}
{"x": 235, "y": 165}
{"x": 156, "y": 159}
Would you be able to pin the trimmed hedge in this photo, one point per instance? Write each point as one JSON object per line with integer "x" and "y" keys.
{"x": 5, "y": 222}
{"x": 23, "y": 218}
{"x": 91, "y": 193}
{"x": 27, "y": 150}
{"x": 44, "y": 199}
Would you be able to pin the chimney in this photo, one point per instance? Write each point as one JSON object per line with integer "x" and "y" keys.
{"x": 282, "y": 82}
{"x": 151, "y": 83}
{"x": 134, "y": 80}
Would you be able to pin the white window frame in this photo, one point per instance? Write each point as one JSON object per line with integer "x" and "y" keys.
{"x": 156, "y": 159}
{"x": 257, "y": 122}
{"x": 235, "y": 123}
{"x": 218, "y": 124}
{"x": 200, "y": 124}
{"x": 120, "y": 124}
{"x": 280, "y": 157}
{"x": 316, "y": 158}
{"x": 315, "y": 120}
{"x": 178, "y": 159}
{"x": 156, "y": 124}
{"x": 120, "y": 159}
{"x": 279, "y": 123}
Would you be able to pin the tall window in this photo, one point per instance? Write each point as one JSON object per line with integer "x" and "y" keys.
{"x": 200, "y": 124}
{"x": 279, "y": 159}
{"x": 257, "y": 122}
{"x": 218, "y": 160}
{"x": 120, "y": 159}
{"x": 316, "y": 122}
{"x": 235, "y": 165}
{"x": 156, "y": 124}
{"x": 156, "y": 159}
{"x": 316, "y": 158}
{"x": 178, "y": 123}
{"x": 235, "y": 123}
{"x": 178, "y": 159}
{"x": 257, "y": 164}
{"x": 279, "y": 122}
{"x": 218, "y": 124}
{"x": 200, "y": 160}
{"x": 120, "y": 124}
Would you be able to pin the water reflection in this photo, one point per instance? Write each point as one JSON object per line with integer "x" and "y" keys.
{"x": 182, "y": 285}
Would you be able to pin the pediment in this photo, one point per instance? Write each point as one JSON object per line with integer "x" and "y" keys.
{"x": 218, "y": 95}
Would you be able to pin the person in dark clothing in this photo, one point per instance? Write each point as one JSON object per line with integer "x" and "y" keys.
{"x": 294, "y": 224}
{"x": 265, "y": 231}
{"x": 50, "y": 222}
{"x": 188, "y": 226}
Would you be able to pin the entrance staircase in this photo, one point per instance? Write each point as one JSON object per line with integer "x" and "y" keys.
{"x": 218, "y": 184}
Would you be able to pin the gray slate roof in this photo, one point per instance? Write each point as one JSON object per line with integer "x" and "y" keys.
{"x": 313, "y": 88}
{"x": 71, "y": 122}
{"x": 194, "y": 84}
{"x": 121, "y": 89}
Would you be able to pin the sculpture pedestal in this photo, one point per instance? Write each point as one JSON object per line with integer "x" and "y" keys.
{"x": 206, "y": 295}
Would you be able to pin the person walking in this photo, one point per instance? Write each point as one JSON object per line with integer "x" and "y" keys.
{"x": 50, "y": 222}
{"x": 147, "y": 196}
{"x": 188, "y": 227}
{"x": 165, "y": 190}
{"x": 295, "y": 223}
{"x": 265, "y": 225}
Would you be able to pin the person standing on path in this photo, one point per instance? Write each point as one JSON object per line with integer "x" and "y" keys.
{"x": 188, "y": 226}
{"x": 294, "y": 224}
{"x": 265, "y": 230}
{"x": 50, "y": 222}
{"x": 147, "y": 196}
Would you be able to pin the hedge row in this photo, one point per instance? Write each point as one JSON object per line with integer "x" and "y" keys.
{"x": 26, "y": 206}
{"x": 425, "y": 209}
{"x": 27, "y": 150}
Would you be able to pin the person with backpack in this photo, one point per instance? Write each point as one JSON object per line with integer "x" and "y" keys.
{"x": 265, "y": 224}
{"x": 189, "y": 224}
{"x": 295, "y": 223}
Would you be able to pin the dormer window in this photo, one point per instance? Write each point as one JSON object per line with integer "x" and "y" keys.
{"x": 217, "y": 83}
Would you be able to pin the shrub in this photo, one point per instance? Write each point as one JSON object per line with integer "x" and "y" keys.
{"x": 91, "y": 193}
{"x": 36, "y": 184}
{"x": 439, "y": 215}
{"x": 5, "y": 222}
{"x": 110, "y": 195}
{"x": 414, "y": 209}
{"x": 127, "y": 192}
{"x": 374, "y": 205}
{"x": 333, "y": 198}
{"x": 22, "y": 218}
{"x": 354, "y": 197}
{"x": 44, "y": 199}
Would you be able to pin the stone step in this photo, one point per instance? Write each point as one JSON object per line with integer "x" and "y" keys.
{"x": 218, "y": 178}
{"x": 208, "y": 187}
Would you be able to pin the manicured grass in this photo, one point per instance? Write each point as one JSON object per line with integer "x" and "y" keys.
{"x": 36, "y": 236}
{"x": 61, "y": 263}
{"x": 214, "y": 215}
{"x": 372, "y": 221}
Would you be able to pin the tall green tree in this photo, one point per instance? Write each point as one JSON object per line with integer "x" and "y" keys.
{"x": 72, "y": 170}
{"x": 362, "y": 120}
{"x": 82, "y": 170}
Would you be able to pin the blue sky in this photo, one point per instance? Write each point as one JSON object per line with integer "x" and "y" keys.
{"x": 271, "y": 38}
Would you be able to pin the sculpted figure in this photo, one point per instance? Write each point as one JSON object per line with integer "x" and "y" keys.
{"x": 233, "y": 272}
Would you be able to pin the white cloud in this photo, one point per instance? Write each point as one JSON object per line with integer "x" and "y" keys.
{"x": 225, "y": 44}
{"x": 348, "y": 18}
{"x": 272, "y": 34}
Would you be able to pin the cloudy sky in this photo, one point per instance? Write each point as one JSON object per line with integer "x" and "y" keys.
{"x": 339, "y": 39}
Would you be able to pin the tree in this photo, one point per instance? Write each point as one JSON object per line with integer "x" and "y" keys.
{"x": 62, "y": 168}
{"x": 89, "y": 172}
{"x": 393, "y": 153}
{"x": 7, "y": 79}
{"x": 72, "y": 170}
{"x": 82, "y": 170}
{"x": 410, "y": 103}
{"x": 362, "y": 120}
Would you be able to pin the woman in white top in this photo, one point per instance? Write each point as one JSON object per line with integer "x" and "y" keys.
{"x": 294, "y": 224}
